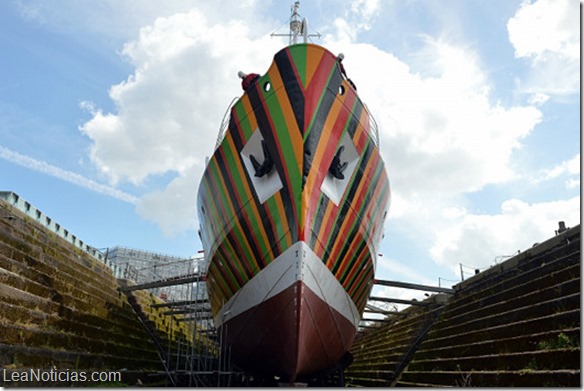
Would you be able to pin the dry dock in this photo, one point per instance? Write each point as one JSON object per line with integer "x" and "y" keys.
{"x": 515, "y": 324}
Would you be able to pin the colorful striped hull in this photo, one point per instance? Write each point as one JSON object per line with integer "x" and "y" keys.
{"x": 291, "y": 253}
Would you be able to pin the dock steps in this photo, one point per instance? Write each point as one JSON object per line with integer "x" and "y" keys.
{"x": 516, "y": 324}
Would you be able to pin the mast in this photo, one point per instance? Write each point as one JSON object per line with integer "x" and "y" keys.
{"x": 298, "y": 27}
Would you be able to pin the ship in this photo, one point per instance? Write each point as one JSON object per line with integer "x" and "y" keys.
{"x": 291, "y": 206}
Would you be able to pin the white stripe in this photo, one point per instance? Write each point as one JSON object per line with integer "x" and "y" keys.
{"x": 298, "y": 263}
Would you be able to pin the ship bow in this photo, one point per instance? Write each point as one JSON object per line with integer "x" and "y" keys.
{"x": 304, "y": 323}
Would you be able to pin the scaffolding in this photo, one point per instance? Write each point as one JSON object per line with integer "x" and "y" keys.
{"x": 196, "y": 358}
{"x": 199, "y": 357}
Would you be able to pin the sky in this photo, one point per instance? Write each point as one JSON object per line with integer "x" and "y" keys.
{"x": 108, "y": 109}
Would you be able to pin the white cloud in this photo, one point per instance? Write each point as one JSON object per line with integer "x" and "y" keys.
{"x": 538, "y": 99}
{"x": 170, "y": 108}
{"x": 364, "y": 11}
{"x": 356, "y": 16}
{"x": 174, "y": 208}
{"x": 546, "y": 28}
{"x": 476, "y": 239}
{"x": 547, "y": 32}
{"x": 68, "y": 176}
{"x": 400, "y": 271}
{"x": 441, "y": 134}
{"x": 569, "y": 167}
{"x": 572, "y": 183}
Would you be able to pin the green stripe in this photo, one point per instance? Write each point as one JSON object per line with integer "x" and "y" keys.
{"x": 363, "y": 277}
{"x": 344, "y": 199}
{"x": 213, "y": 211}
{"x": 221, "y": 278}
{"x": 378, "y": 205}
{"x": 298, "y": 54}
{"x": 289, "y": 158}
{"x": 277, "y": 223}
{"x": 238, "y": 177}
{"x": 225, "y": 201}
{"x": 358, "y": 220}
{"x": 243, "y": 120}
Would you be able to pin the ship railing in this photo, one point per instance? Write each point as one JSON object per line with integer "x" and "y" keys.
{"x": 225, "y": 123}
{"x": 374, "y": 129}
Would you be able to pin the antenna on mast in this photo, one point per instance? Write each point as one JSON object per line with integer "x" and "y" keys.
{"x": 298, "y": 27}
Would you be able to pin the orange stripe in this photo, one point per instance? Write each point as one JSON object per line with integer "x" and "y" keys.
{"x": 232, "y": 210}
{"x": 376, "y": 215}
{"x": 361, "y": 135}
{"x": 328, "y": 219}
{"x": 360, "y": 271}
{"x": 313, "y": 58}
{"x": 253, "y": 122}
{"x": 248, "y": 196}
{"x": 328, "y": 141}
{"x": 289, "y": 116}
{"x": 351, "y": 251}
{"x": 282, "y": 213}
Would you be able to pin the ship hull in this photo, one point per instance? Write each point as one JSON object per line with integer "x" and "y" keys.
{"x": 295, "y": 313}
{"x": 292, "y": 205}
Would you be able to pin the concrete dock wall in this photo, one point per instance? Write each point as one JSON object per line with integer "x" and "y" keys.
{"x": 60, "y": 307}
{"x": 516, "y": 324}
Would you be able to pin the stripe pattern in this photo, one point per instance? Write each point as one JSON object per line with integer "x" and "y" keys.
{"x": 302, "y": 107}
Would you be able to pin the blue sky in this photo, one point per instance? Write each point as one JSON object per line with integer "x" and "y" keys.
{"x": 108, "y": 108}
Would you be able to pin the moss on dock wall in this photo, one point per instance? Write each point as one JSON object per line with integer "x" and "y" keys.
{"x": 516, "y": 324}
{"x": 61, "y": 308}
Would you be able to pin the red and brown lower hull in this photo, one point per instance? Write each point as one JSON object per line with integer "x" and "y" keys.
{"x": 295, "y": 313}
{"x": 299, "y": 332}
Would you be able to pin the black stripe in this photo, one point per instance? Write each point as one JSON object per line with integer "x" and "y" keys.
{"x": 216, "y": 272}
{"x": 363, "y": 206}
{"x": 235, "y": 129}
{"x": 263, "y": 210}
{"x": 352, "y": 264}
{"x": 351, "y": 191}
{"x": 292, "y": 86}
{"x": 362, "y": 290}
{"x": 268, "y": 134}
{"x": 354, "y": 120}
{"x": 222, "y": 164}
{"x": 213, "y": 187}
{"x": 229, "y": 263}
{"x": 232, "y": 239}
{"x": 323, "y": 202}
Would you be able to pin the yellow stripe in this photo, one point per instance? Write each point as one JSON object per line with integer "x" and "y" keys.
{"x": 321, "y": 147}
